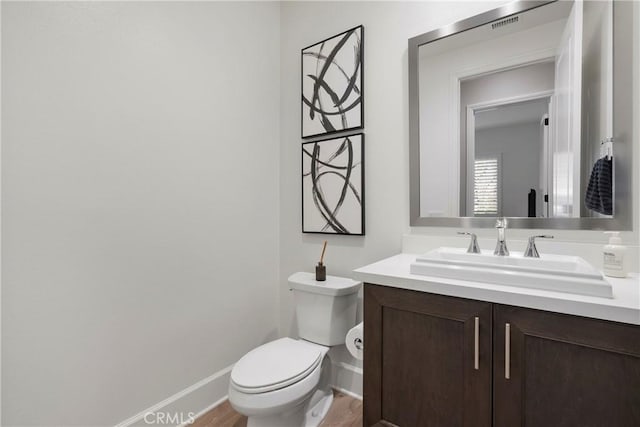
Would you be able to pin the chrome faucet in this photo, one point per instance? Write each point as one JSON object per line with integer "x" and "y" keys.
{"x": 501, "y": 245}
{"x": 532, "y": 251}
{"x": 473, "y": 245}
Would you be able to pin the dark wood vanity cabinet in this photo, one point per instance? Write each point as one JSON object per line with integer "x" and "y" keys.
{"x": 564, "y": 371}
{"x": 438, "y": 361}
{"x": 420, "y": 359}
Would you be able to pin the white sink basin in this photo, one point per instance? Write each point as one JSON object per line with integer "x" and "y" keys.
{"x": 559, "y": 273}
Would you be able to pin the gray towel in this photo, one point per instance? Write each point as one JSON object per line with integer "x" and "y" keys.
{"x": 599, "y": 195}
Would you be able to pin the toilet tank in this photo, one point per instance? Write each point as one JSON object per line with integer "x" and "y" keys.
{"x": 325, "y": 310}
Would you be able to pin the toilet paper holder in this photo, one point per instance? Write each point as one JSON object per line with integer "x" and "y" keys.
{"x": 355, "y": 341}
{"x": 358, "y": 343}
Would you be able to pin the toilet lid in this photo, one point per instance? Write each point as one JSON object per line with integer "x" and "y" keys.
{"x": 275, "y": 365}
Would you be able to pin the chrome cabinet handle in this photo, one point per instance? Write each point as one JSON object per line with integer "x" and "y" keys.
{"x": 476, "y": 354}
{"x": 507, "y": 350}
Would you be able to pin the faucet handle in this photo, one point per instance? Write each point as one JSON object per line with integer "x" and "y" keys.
{"x": 501, "y": 222}
{"x": 532, "y": 251}
{"x": 473, "y": 245}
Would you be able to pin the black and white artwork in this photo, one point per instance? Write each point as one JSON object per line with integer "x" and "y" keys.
{"x": 333, "y": 185}
{"x": 332, "y": 84}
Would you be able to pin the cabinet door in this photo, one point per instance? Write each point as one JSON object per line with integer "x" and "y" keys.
{"x": 427, "y": 359}
{"x": 559, "y": 370}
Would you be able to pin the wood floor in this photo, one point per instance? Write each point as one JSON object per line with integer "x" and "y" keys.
{"x": 345, "y": 411}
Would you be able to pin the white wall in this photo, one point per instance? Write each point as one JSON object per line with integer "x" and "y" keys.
{"x": 140, "y": 201}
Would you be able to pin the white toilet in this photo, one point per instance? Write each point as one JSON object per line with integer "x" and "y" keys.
{"x": 286, "y": 382}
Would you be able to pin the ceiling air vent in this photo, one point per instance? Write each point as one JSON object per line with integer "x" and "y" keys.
{"x": 504, "y": 22}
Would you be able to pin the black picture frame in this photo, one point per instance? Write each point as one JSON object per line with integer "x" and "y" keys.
{"x": 341, "y": 83}
{"x": 330, "y": 206}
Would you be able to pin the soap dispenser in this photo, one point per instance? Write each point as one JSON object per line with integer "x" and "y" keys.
{"x": 614, "y": 254}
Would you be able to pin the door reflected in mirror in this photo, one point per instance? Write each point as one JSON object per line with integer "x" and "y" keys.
{"x": 512, "y": 113}
{"x": 508, "y": 166}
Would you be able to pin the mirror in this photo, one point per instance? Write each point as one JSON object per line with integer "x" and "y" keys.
{"x": 511, "y": 111}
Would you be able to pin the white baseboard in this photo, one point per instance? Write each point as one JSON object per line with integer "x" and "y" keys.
{"x": 195, "y": 400}
{"x": 347, "y": 379}
{"x": 185, "y": 405}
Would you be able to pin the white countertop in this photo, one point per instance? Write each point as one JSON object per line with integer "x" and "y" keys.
{"x": 623, "y": 307}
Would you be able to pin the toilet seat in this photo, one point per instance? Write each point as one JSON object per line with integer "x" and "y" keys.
{"x": 276, "y": 365}
{"x": 277, "y": 401}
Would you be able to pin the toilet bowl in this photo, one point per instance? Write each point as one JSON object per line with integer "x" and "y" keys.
{"x": 282, "y": 383}
{"x": 286, "y": 382}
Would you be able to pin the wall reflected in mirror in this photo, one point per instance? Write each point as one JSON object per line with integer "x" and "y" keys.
{"x": 512, "y": 113}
